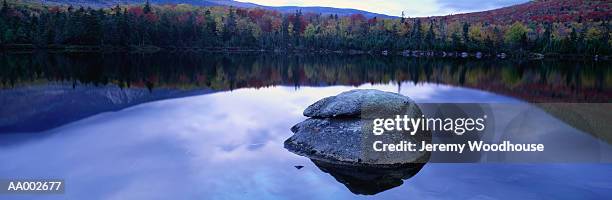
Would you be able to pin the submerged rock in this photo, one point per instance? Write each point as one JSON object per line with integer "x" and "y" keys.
{"x": 340, "y": 130}
{"x": 536, "y": 56}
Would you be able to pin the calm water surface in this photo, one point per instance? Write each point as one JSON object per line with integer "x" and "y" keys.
{"x": 221, "y": 136}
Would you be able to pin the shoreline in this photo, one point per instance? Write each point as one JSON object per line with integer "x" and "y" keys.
{"x": 150, "y": 49}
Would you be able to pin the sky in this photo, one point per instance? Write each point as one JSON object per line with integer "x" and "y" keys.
{"x": 411, "y": 8}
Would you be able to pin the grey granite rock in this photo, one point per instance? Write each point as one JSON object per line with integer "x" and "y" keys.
{"x": 338, "y": 132}
{"x": 367, "y": 104}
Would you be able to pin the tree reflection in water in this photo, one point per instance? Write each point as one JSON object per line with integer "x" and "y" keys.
{"x": 533, "y": 81}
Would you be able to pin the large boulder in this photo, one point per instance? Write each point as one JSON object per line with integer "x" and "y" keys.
{"x": 364, "y": 104}
{"x": 339, "y": 130}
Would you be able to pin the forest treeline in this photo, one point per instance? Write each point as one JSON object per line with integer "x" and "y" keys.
{"x": 171, "y": 26}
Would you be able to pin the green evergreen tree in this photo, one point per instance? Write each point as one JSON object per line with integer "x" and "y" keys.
{"x": 416, "y": 35}
{"x": 147, "y": 7}
{"x": 466, "y": 34}
{"x": 430, "y": 37}
{"x": 229, "y": 30}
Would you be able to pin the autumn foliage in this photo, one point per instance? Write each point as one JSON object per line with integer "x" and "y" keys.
{"x": 562, "y": 26}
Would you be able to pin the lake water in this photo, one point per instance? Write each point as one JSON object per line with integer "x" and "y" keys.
{"x": 190, "y": 126}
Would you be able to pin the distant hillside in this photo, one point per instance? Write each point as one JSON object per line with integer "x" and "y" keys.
{"x": 541, "y": 11}
{"x": 109, "y": 3}
{"x": 285, "y": 9}
{"x": 316, "y": 9}
{"x": 537, "y": 29}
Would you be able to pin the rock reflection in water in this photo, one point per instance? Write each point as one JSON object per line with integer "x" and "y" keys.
{"x": 369, "y": 180}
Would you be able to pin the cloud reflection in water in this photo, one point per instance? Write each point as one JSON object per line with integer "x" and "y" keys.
{"x": 229, "y": 145}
